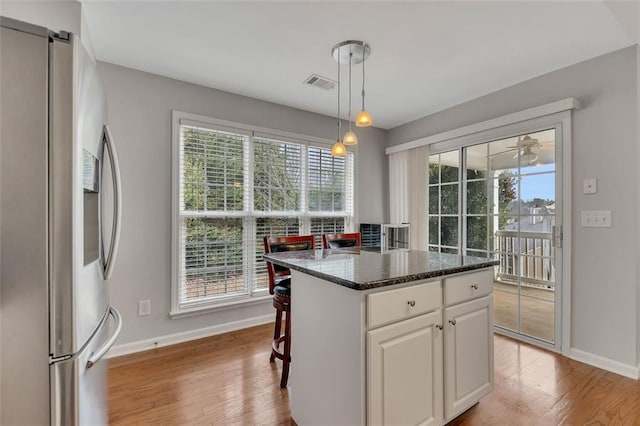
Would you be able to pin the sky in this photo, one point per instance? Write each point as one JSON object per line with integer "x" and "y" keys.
{"x": 537, "y": 185}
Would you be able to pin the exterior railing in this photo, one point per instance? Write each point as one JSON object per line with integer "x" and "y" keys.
{"x": 526, "y": 255}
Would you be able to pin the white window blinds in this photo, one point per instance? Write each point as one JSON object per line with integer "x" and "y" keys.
{"x": 276, "y": 175}
{"x": 234, "y": 188}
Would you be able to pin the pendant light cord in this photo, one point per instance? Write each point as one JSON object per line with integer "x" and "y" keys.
{"x": 364, "y": 49}
{"x": 350, "y": 61}
{"x": 339, "y": 124}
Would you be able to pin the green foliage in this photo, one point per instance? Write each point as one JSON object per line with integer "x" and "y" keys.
{"x": 210, "y": 243}
{"x": 213, "y": 172}
{"x": 443, "y": 199}
{"x": 506, "y": 193}
{"x": 276, "y": 177}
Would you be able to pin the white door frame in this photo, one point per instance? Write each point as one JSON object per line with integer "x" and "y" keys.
{"x": 561, "y": 121}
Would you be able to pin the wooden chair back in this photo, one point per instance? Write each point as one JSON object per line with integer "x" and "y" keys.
{"x": 341, "y": 240}
{"x": 280, "y": 244}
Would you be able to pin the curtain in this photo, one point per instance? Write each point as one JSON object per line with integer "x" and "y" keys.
{"x": 408, "y": 193}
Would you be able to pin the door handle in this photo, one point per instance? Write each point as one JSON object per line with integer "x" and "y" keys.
{"x": 97, "y": 355}
{"x": 109, "y": 260}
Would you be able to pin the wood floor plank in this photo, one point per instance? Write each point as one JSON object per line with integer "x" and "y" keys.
{"x": 228, "y": 380}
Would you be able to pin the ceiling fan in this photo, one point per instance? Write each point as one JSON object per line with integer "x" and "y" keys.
{"x": 527, "y": 150}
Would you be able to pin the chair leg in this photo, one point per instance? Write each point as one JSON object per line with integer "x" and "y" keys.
{"x": 287, "y": 351}
{"x": 276, "y": 332}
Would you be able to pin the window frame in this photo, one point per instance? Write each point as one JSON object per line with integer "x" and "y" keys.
{"x": 249, "y": 215}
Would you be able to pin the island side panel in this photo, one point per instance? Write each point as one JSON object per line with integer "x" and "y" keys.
{"x": 327, "y": 383}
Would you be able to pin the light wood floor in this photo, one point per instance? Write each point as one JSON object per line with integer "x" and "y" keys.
{"x": 227, "y": 379}
{"x": 537, "y": 310}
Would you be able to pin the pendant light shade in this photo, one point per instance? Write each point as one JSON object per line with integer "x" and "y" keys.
{"x": 363, "y": 119}
{"x": 350, "y": 138}
{"x": 338, "y": 149}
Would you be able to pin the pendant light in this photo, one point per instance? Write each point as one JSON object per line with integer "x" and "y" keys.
{"x": 364, "y": 118}
{"x": 352, "y": 52}
{"x": 350, "y": 138}
{"x": 338, "y": 149}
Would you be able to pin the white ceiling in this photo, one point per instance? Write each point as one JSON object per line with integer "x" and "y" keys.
{"x": 426, "y": 56}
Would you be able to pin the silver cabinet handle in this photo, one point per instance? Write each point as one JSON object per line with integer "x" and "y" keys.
{"x": 452, "y": 321}
{"x": 439, "y": 326}
{"x": 474, "y": 286}
{"x": 97, "y": 355}
{"x": 411, "y": 303}
{"x": 109, "y": 260}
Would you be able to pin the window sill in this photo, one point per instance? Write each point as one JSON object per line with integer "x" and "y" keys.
{"x": 220, "y": 306}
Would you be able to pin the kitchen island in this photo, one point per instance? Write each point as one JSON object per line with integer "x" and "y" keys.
{"x": 398, "y": 337}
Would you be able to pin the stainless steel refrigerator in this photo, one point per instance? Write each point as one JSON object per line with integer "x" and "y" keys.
{"x": 60, "y": 214}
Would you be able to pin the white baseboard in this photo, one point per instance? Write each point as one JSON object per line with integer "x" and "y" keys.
{"x": 617, "y": 367}
{"x": 185, "y": 336}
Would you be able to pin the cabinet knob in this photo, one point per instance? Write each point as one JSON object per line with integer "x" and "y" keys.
{"x": 411, "y": 303}
{"x": 452, "y": 321}
{"x": 439, "y": 326}
{"x": 474, "y": 286}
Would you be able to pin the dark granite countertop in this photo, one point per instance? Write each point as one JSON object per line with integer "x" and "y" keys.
{"x": 365, "y": 268}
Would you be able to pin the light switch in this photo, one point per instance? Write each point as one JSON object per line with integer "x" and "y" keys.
{"x": 596, "y": 218}
{"x": 590, "y": 186}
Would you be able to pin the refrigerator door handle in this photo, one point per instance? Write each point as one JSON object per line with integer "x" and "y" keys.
{"x": 109, "y": 260}
{"x": 97, "y": 355}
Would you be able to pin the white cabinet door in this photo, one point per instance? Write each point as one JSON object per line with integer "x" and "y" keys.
{"x": 404, "y": 366}
{"x": 468, "y": 356}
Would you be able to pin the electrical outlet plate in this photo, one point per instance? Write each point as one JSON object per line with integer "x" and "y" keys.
{"x": 144, "y": 307}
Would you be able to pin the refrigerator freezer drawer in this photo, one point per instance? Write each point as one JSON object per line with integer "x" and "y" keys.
{"x": 79, "y": 384}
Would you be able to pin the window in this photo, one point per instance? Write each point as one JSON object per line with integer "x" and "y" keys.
{"x": 444, "y": 189}
{"x": 234, "y": 186}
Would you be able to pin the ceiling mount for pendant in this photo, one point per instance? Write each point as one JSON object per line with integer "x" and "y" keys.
{"x": 355, "y": 51}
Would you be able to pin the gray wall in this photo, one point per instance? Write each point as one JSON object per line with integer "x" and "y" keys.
{"x": 605, "y": 146}
{"x": 139, "y": 113}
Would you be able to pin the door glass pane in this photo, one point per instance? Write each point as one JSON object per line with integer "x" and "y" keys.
{"x": 477, "y": 197}
{"x": 513, "y": 218}
{"x": 477, "y": 232}
{"x": 449, "y": 165}
{"x": 537, "y": 191}
{"x": 505, "y": 306}
{"x": 537, "y": 152}
{"x": 434, "y": 169}
{"x": 477, "y": 161}
{"x": 444, "y": 201}
{"x": 503, "y": 155}
{"x": 434, "y": 230}
{"x": 504, "y": 193}
{"x": 449, "y": 200}
{"x": 434, "y": 195}
{"x": 449, "y": 231}
{"x": 537, "y": 315}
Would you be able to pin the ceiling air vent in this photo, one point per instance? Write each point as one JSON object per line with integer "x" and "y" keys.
{"x": 321, "y": 82}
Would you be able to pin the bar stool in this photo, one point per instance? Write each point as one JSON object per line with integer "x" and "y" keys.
{"x": 280, "y": 288}
{"x": 332, "y": 241}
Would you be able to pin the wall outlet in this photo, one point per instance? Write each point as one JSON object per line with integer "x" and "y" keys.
{"x": 144, "y": 308}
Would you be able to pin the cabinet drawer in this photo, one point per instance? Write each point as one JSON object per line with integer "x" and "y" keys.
{"x": 395, "y": 305}
{"x": 468, "y": 286}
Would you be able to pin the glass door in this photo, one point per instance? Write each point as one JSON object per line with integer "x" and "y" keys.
{"x": 509, "y": 213}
